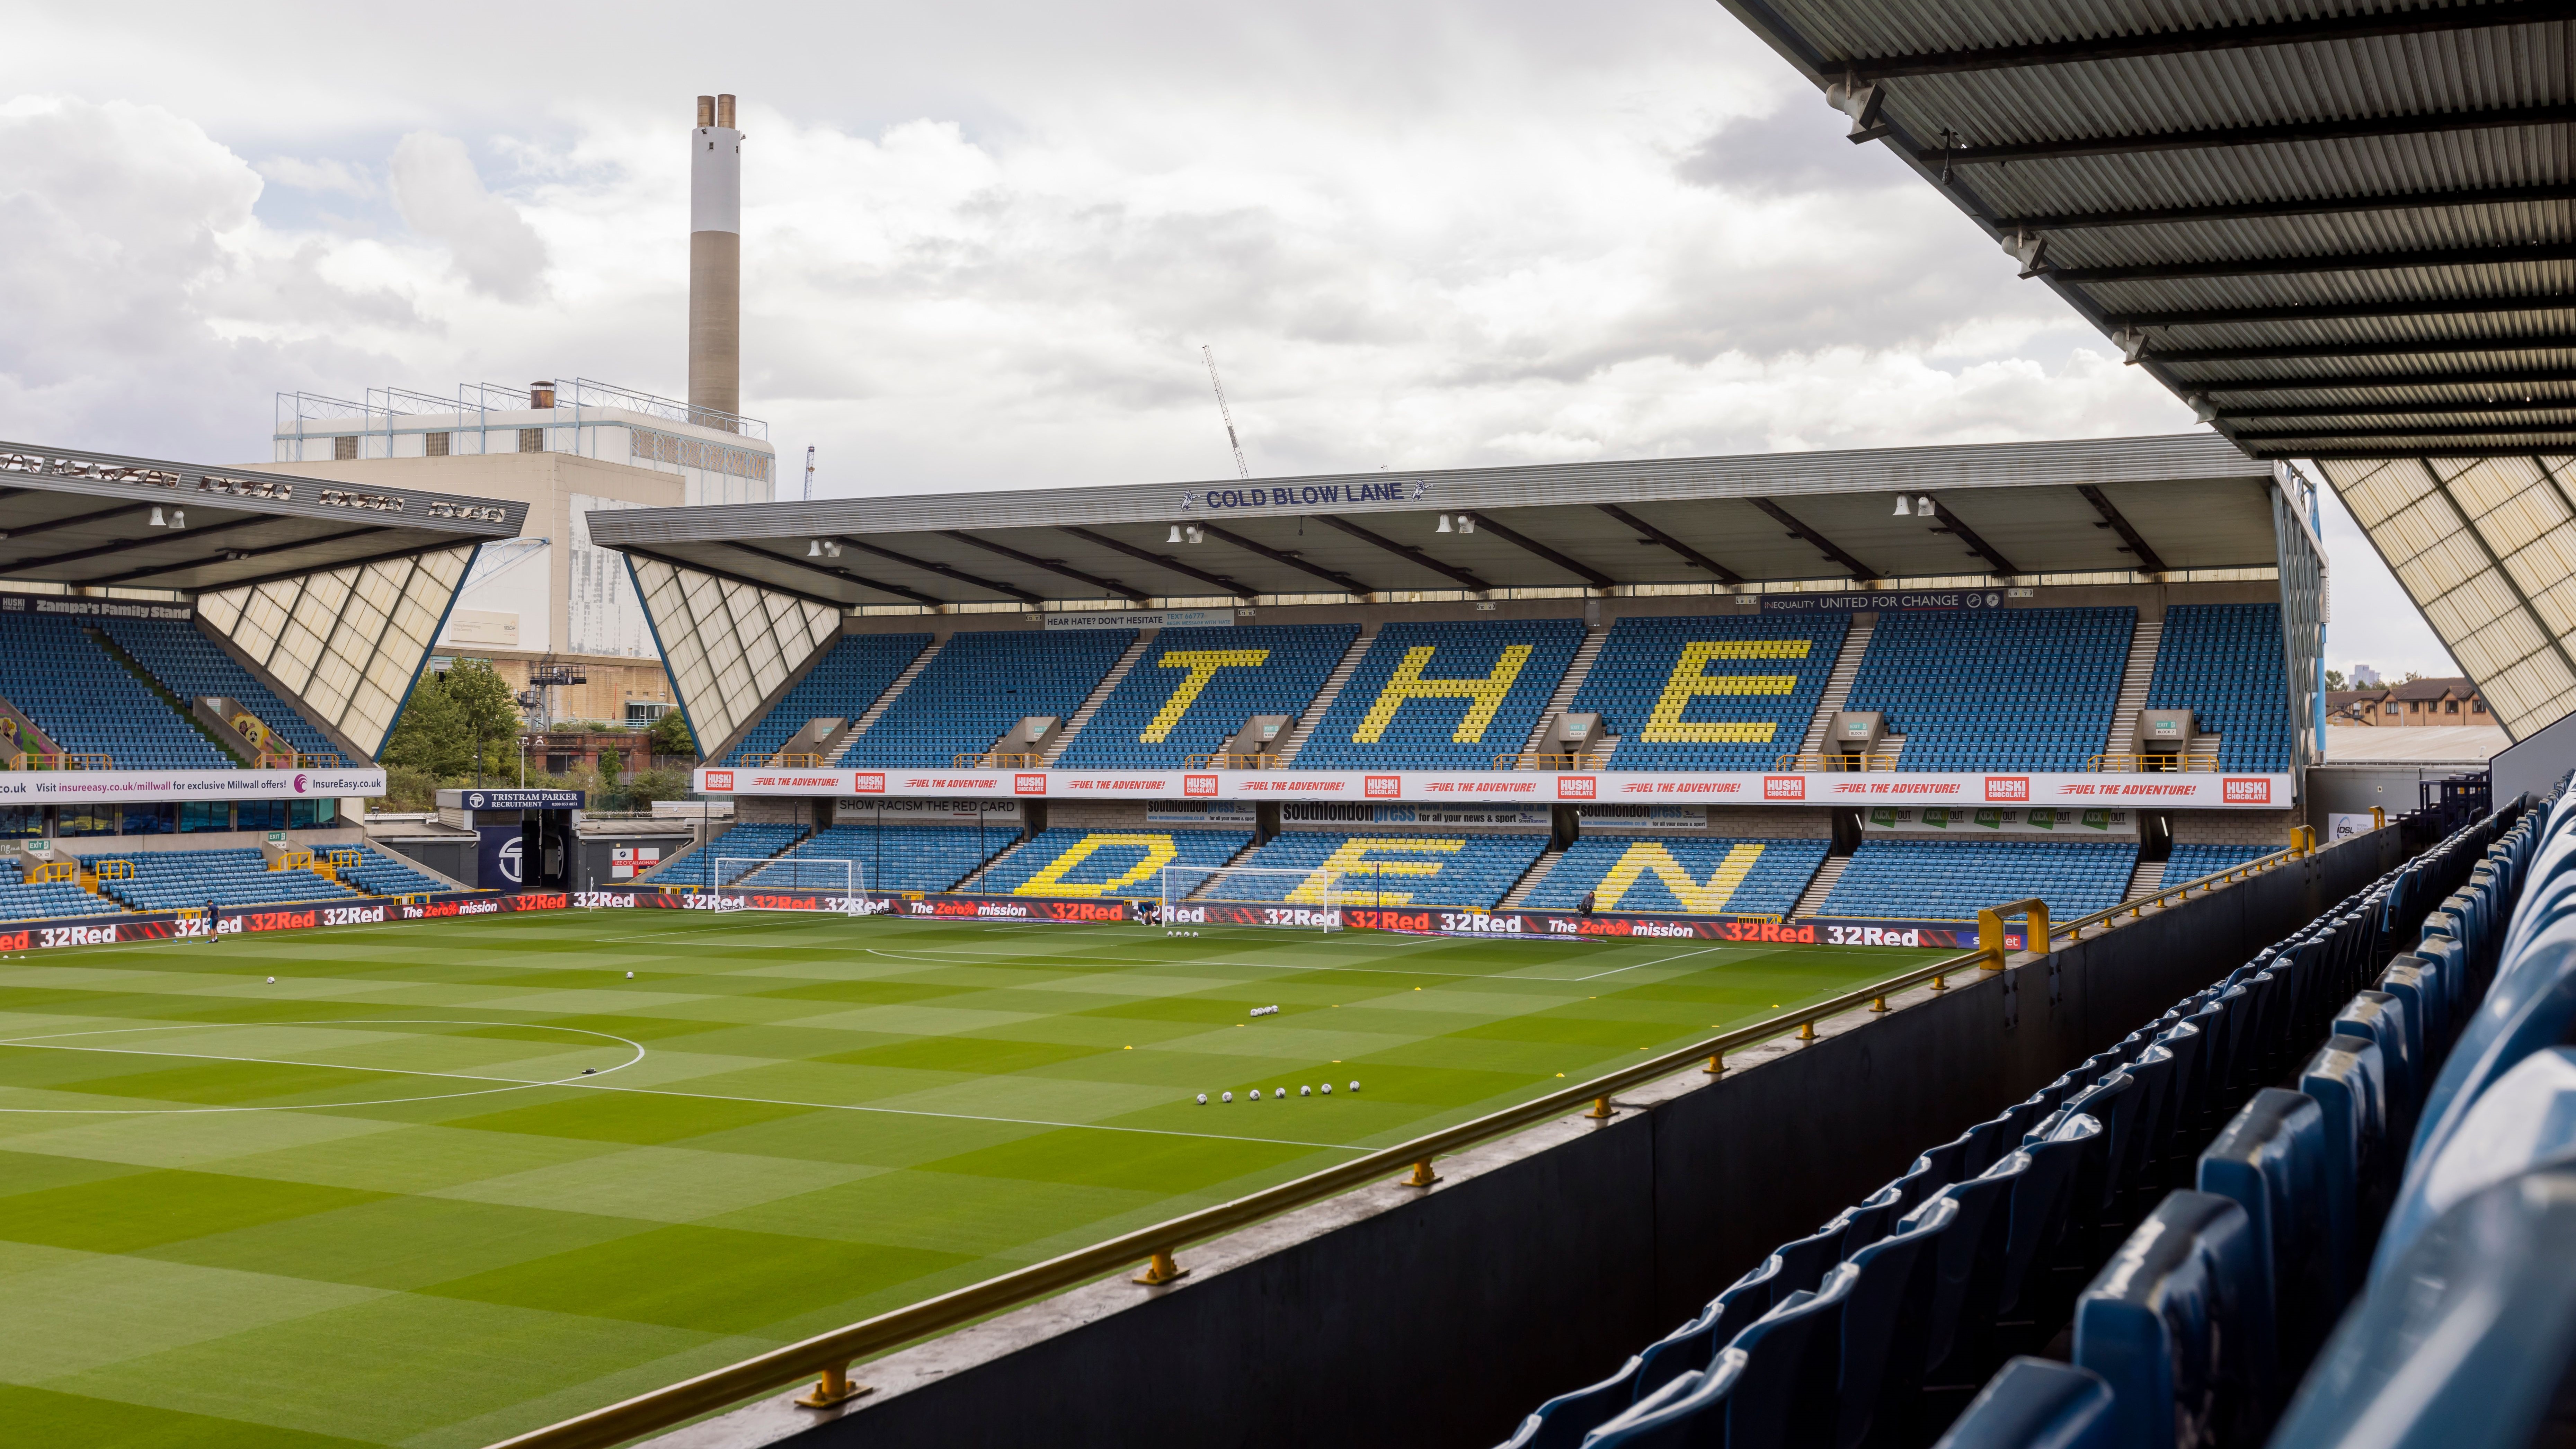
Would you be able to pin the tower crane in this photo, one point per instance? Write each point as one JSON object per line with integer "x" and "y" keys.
{"x": 1241, "y": 468}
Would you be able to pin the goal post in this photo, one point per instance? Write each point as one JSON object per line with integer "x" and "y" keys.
{"x": 1239, "y": 895}
{"x": 830, "y": 875}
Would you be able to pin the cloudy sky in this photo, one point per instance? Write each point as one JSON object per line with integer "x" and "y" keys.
{"x": 984, "y": 242}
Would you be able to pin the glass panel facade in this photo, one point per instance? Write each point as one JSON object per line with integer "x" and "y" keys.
{"x": 347, "y": 642}
{"x": 728, "y": 645}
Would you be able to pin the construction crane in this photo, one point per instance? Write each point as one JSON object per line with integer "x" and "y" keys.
{"x": 809, "y": 472}
{"x": 1241, "y": 468}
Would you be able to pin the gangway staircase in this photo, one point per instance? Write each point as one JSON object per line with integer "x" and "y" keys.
{"x": 2133, "y": 687}
{"x": 885, "y": 701}
{"x": 2145, "y": 880}
{"x": 1323, "y": 701}
{"x": 1838, "y": 687}
{"x": 1099, "y": 696}
{"x": 1566, "y": 688}
{"x": 976, "y": 876}
{"x": 1812, "y": 899}
{"x": 1531, "y": 878}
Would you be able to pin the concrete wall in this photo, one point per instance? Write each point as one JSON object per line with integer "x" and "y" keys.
{"x": 1394, "y": 1316}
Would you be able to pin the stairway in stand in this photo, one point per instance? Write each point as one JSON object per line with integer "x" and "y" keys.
{"x": 2133, "y": 687}
{"x": 1099, "y": 696}
{"x": 1566, "y": 689}
{"x": 885, "y": 701}
{"x": 1812, "y": 899}
{"x": 1324, "y": 698}
{"x": 1837, "y": 689}
{"x": 1530, "y": 878}
{"x": 2146, "y": 880}
{"x": 973, "y": 877}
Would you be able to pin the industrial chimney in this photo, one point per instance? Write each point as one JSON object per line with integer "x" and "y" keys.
{"x": 715, "y": 263}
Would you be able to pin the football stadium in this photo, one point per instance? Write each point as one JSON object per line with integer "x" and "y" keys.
{"x": 1865, "y": 948}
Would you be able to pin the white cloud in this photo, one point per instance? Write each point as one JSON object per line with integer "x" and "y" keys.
{"x": 325, "y": 175}
{"x": 442, "y": 198}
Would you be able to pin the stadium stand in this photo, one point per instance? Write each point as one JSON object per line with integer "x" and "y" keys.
{"x": 890, "y": 857}
{"x": 981, "y": 685}
{"x": 2225, "y": 663}
{"x": 193, "y": 667}
{"x": 1948, "y": 880}
{"x": 1193, "y": 689}
{"x": 379, "y": 874}
{"x": 2191, "y": 862}
{"x": 842, "y": 686}
{"x": 1445, "y": 696}
{"x": 177, "y": 880}
{"x": 52, "y": 669}
{"x": 1680, "y": 877}
{"x": 1471, "y": 872}
{"x": 1711, "y": 693}
{"x": 696, "y": 868}
{"x": 2014, "y": 689}
{"x": 1126, "y": 864}
{"x": 2205, "y": 1302}
{"x": 21, "y": 900}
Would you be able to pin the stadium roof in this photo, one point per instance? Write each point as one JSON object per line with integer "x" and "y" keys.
{"x": 2339, "y": 230}
{"x": 99, "y": 520}
{"x": 2153, "y": 505}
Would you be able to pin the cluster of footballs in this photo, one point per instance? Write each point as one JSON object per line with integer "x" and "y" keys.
{"x": 1279, "y": 1092}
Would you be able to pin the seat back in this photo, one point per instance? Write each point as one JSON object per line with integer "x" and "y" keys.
{"x": 2175, "y": 1323}
{"x": 2382, "y": 1017}
{"x": 2270, "y": 1160}
{"x": 2343, "y": 1079}
{"x": 2043, "y": 1201}
{"x": 2525, "y": 1120}
{"x": 1684, "y": 1414}
{"x": 1785, "y": 1393}
{"x": 1883, "y": 1318}
{"x": 1561, "y": 1422}
{"x": 1868, "y": 1220}
{"x": 2036, "y": 1404}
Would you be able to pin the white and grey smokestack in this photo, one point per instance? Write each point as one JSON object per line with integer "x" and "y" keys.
{"x": 715, "y": 259}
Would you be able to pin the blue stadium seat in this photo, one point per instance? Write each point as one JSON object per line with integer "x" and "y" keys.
{"x": 1193, "y": 689}
{"x": 2270, "y": 1160}
{"x": 2012, "y": 689}
{"x": 76, "y": 692}
{"x": 185, "y": 880}
{"x": 21, "y": 900}
{"x": 1710, "y": 693}
{"x": 1950, "y": 880}
{"x": 1686, "y": 1413}
{"x": 2525, "y": 1119}
{"x": 982, "y": 684}
{"x": 2176, "y": 1324}
{"x": 1443, "y": 696}
{"x": 2345, "y": 1082}
{"x": 1472, "y": 872}
{"x": 194, "y": 667}
{"x": 697, "y": 868}
{"x": 1646, "y": 875}
{"x": 1127, "y": 864}
{"x": 2225, "y": 662}
{"x": 1792, "y": 1361}
{"x": 1882, "y": 1351}
{"x": 2190, "y": 862}
{"x": 2036, "y": 1404}
{"x": 1563, "y": 1421}
{"x": 841, "y": 685}
{"x": 380, "y": 874}
{"x": 882, "y": 858}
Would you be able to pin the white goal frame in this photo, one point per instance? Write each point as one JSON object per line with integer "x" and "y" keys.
{"x": 832, "y": 875}
{"x": 1186, "y": 888}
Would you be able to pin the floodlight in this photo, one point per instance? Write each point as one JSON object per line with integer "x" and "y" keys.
{"x": 1195, "y": 535}
{"x": 1923, "y": 506}
{"x": 813, "y": 548}
{"x": 1466, "y": 523}
{"x": 178, "y": 518}
{"x": 1176, "y": 534}
{"x": 156, "y": 517}
{"x": 1903, "y": 509}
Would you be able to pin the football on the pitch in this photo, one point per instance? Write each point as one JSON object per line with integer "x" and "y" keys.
{"x": 1202, "y": 1099}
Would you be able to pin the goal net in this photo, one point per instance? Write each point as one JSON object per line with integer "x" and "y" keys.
{"x": 1239, "y": 895}
{"x": 827, "y": 874}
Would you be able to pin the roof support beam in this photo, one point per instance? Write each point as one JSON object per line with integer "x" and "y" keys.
{"x": 2517, "y": 449}
{"x": 2403, "y": 432}
{"x": 1054, "y": 566}
{"x": 1162, "y": 561}
{"x": 1406, "y": 551}
{"x": 1959, "y": 529}
{"x": 2554, "y": 342}
{"x": 844, "y": 575}
{"x": 2211, "y": 37}
{"x": 2503, "y": 576}
{"x": 1689, "y": 554}
{"x": 2339, "y": 311}
{"x": 2302, "y": 206}
{"x": 2217, "y": 137}
{"x": 2300, "y": 266}
{"x": 688, "y": 567}
{"x": 941, "y": 569}
{"x": 2351, "y": 382}
{"x": 2403, "y": 409}
{"x": 1796, "y": 529}
{"x": 389, "y": 556}
{"x": 75, "y": 520}
{"x": 231, "y": 556}
{"x": 128, "y": 545}
{"x": 2121, "y": 525}
{"x": 1583, "y": 571}
{"x": 1341, "y": 581}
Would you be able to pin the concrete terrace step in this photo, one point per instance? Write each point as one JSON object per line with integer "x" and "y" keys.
{"x": 2133, "y": 686}
{"x": 1837, "y": 688}
{"x": 1532, "y": 878}
{"x": 1567, "y": 687}
{"x": 1324, "y": 697}
{"x": 1812, "y": 899}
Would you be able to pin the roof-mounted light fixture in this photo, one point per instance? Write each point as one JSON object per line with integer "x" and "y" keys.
{"x": 1444, "y": 525}
{"x": 2132, "y": 342}
{"x": 157, "y": 521}
{"x": 1466, "y": 523}
{"x": 1903, "y": 508}
{"x": 2028, "y": 248}
{"x": 1923, "y": 506}
{"x": 2202, "y": 408}
{"x": 1862, "y": 103}
{"x": 1176, "y": 534}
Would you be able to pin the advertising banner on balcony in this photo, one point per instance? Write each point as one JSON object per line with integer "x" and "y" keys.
{"x": 1496, "y": 788}
{"x": 112, "y": 787}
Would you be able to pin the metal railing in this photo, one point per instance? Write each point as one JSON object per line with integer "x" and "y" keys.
{"x": 298, "y": 760}
{"x": 59, "y": 760}
{"x": 996, "y": 760}
{"x": 1263, "y": 761}
{"x": 828, "y": 1357}
{"x": 1836, "y": 764}
{"x": 2153, "y": 764}
{"x": 776, "y": 760}
{"x": 1529, "y": 761}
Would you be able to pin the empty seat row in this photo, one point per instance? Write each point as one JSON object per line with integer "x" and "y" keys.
{"x": 1711, "y": 693}
{"x": 1950, "y": 880}
{"x": 2010, "y": 689}
{"x": 842, "y": 685}
{"x": 89, "y": 703}
{"x": 2226, "y": 662}
{"x": 1443, "y": 696}
{"x": 880, "y": 857}
{"x": 1124, "y": 864}
{"x": 194, "y": 667}
{"x": 1471, "y": 872}
{"x": 740, "y": 847}
{"x": 1192, "y": 690}
{"x": 1645, "y": 875}
{"x": 980, "y": 685}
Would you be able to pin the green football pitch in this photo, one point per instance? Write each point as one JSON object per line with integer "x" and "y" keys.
{"x": 443, "y": 1182}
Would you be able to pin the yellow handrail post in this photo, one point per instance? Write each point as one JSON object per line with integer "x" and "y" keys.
{"x": 1990, "y": 930}
{"x": 832, "y": 1387}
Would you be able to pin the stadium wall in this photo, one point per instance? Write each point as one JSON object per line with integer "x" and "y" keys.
{"x": 1438, "y": 1318}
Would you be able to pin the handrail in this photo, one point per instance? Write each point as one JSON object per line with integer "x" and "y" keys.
{"x": 1527, "y": 760}
{"x": 829, "y": 1356}
{"x": 59, "y": 760}
{"x": 2152, "y": 764}
{"x": 298, "y": 760}
{"x": 995, "y": 760}
{"x": 1835, "y": 764}
{"x": 776, "y": 760}
{"x": 1223, "y": 761}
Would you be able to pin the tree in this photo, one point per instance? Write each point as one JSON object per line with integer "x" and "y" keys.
{"x": 2334, "y": 679}
{"x": 454, "y": 722}
{"x": 487, "y": 714}
{"x": 610, "y": 763}
{"x": 670, "y": 736}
